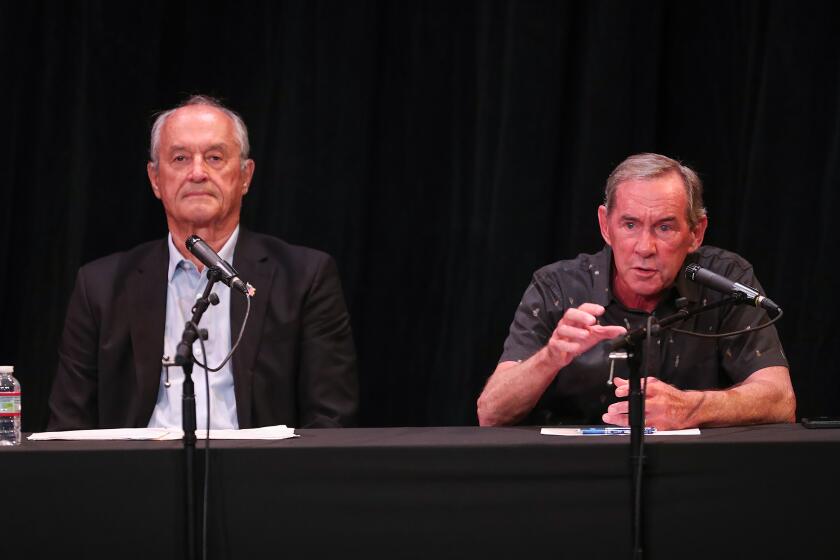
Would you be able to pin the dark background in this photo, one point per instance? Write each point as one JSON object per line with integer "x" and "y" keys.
{"x": 441, "y": 151}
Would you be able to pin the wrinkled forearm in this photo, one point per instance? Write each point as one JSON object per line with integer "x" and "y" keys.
{"x": 514, "y": 389}
{"x": 765, "y": 397}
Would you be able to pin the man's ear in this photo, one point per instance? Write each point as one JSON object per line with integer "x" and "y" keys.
{"x": 603, "y": 222}
{"x": 698, "y": 233}
{"x": 247, "y": 175}
{"x": 151, "y": 171}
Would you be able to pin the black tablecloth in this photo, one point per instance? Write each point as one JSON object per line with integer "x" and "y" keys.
{"x": 753, "y": 492}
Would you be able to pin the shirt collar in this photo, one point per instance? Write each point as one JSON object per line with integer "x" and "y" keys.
{"x": 175, "y": 257}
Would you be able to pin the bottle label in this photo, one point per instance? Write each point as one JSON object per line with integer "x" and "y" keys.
{"x": 10, "y": 404}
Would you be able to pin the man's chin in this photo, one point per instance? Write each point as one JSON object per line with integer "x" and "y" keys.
{"x": 198, "y": 220}
{"x": 201, "y": 211}
{"x": 647, "y": 287}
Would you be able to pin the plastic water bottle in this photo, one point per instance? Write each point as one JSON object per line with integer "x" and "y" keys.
{"x": 9, "y": 407}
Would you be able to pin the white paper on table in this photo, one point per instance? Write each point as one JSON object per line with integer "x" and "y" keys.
{"x": 576, "y": 432}
{"x": 108, "y": 434}
{"x": 160, "y": 434}
{"x": 266, "y": 432}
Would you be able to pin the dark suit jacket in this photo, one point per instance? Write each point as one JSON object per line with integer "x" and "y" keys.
{"x": 296, "y": 364}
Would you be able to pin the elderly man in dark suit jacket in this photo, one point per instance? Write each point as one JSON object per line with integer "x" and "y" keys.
{"x": 296, "y": 362}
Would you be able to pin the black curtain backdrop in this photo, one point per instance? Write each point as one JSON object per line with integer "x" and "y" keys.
{"x": 441, "y": 151}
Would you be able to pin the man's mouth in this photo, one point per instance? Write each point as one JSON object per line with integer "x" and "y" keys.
{"x": 644, "y": 271}
{"x": 197, "y": 193}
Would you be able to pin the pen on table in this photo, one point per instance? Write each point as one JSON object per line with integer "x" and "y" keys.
{"x": 611, "y": 431}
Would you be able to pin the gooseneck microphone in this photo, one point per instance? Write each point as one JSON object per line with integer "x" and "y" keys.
{"x": 697, "y": 273}
{"x": 211, "y": 259}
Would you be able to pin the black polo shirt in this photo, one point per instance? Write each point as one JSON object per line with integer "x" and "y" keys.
{"x": 580, "y": 394}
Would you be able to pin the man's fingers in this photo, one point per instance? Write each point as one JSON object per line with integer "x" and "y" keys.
{"x": 579, "y": 317}
{"x": 592, "y": 309}
{"x": 586, "y": 317}
{"x": 656, "y": 403}
{"x": 652, "y": 384}
{"x": 622, "y": 386}
{"x": 616, "y": 419}
{"x": 570, "y": 332}
{"x": 620, "y": 407}
{"x": 608, "y": 331}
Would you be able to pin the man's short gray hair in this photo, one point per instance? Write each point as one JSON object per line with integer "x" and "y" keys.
{"x": 240, "y": 131}
{"x": 651, "y": 166}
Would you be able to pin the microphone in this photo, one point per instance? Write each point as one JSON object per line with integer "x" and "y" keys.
{"x": 697, "y": 273}
{"x": 211, "y": 259}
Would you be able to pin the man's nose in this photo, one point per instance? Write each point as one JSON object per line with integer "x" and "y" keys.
{"x": 646, "y": 244}
{"x": 198, "y": 170}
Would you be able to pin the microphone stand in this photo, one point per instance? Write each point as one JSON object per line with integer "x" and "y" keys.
{"x": 184, "y": 358}
{"x": 632, "y": 345}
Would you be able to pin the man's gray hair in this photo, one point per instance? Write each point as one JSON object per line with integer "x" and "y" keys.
{"x": 651, "y": 166}
{"x": 240, "y": 131}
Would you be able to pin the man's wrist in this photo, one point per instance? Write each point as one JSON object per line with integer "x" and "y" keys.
{"x": 552, "y": 361}
{"x": 696, "y": 407}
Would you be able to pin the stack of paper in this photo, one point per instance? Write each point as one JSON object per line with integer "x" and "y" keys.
{"x": 266, "y": 432}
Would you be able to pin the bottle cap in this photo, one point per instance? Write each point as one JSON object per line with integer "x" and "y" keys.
{"x": 7, "y": 369}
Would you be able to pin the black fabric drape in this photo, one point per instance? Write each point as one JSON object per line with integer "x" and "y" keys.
{"x": 440, "y": 151}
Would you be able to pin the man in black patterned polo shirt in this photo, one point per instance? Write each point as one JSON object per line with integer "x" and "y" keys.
{"x": 554, "y": 365}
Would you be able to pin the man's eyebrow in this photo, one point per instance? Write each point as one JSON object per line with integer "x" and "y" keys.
{"x": 179, "y": 148}
{"x": 631, "y": 217}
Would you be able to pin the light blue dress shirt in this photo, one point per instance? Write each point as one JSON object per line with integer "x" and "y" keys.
{"x": 185, "y": 285}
